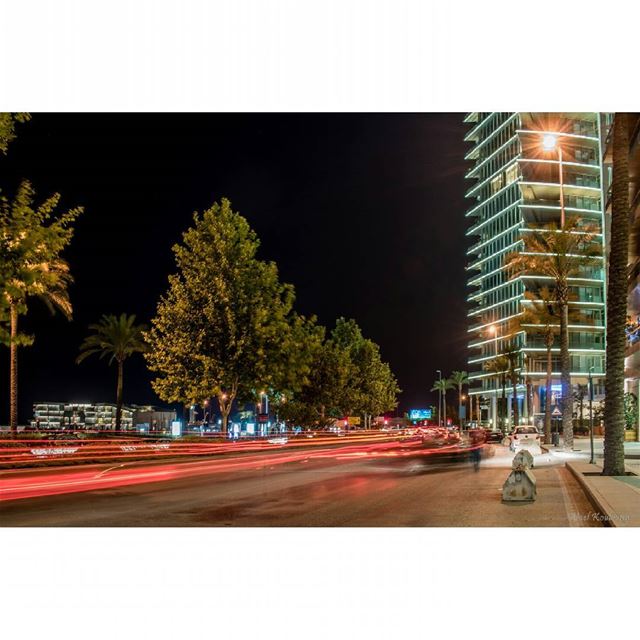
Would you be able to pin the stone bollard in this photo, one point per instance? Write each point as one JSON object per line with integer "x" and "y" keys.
{"x": 522, "y": 460}
{"x": 520, "y": 486}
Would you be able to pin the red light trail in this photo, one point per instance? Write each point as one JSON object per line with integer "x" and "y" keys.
{"x": 16, "y": 485}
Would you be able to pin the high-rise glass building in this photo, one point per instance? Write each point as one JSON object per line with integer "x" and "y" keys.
{"x": 518, "y": 186}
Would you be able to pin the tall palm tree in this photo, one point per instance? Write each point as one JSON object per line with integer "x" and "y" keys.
{"x": 49, "y": 282}
{"x": 117, "y": 337}
{"x": 539, "y": 315}
{"x": 31, "y": 242}
{"x": 560, "y": 254}
{"x": 499, "y": 366}
{"x": 459, "y": 378}
{"x": 443, "y": 385}
{"x": 614, "y": 422}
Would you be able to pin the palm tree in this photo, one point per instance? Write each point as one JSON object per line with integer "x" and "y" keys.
{"x": 31, "y": 241}
{"x": 459, "y": 378}
{"x": 614, "y": 422}
{"x": 442, "y": 385}
{"x": 539, "y": 315}
{"x": 118, "y": 337}
{"x": 560, "y": 254}
{"x": 499, "y": 365}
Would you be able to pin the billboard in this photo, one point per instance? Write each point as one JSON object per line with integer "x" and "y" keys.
{"x": 420, "y": 414}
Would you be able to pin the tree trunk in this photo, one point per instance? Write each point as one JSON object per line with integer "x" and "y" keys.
{"x": 460, "y": 406}
{"x": 13, "y": 372}
{"x": 565, "y": 376}
{"x": 547, "y": 399}
{"x": 225, "y": 420}
{"x": 617, "y": 302}
{"x": 444, "y": 408}
{"x": 119, "y": 396}
{"x": 516, "y": 411}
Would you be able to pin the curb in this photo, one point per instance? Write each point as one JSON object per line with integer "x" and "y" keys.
{"x": 594, "y": 497}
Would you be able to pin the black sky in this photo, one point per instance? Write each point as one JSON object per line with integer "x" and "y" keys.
{"x": 363, "y": 213}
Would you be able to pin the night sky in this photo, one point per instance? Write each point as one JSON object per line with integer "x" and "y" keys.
{"x": 364, "y": 215}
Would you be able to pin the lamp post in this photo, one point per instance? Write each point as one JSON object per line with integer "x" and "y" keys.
{"x": 550, "y": 141}
{"x": 593, "y": 458}
{"x": 439, "y": 398}
{"x": 464, "y": 404}
{"x": 493, "y": 330}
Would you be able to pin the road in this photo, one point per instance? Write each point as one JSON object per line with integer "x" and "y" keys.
{"x": 329, "y": 492}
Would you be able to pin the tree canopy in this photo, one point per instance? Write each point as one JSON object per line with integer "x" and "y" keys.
{"x": 348, "y": 377}
{"x": 226, "y": 325}
{"x": 32, "y": 239}
{"x": 8, "y": 128}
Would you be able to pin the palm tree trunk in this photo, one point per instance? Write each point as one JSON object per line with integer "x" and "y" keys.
{"x": 565, "y": 377}
{"x": 119, "y": 396}
{"x": 617, "y": 302}
{"x": 444, "y": 408}
{"x": 516, "y": 411}
{"x": 547, "y": 399}
{"x": 13, "y": 371}
{"x": 504, "y": 403}
{"x": 460, "y": 406}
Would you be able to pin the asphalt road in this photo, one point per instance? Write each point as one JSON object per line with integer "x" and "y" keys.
{"x": 321, "y": 493}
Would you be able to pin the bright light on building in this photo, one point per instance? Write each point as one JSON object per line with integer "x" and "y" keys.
{"x": 549, "y": 141}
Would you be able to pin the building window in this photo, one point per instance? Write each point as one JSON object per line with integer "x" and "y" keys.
{"x": 497, "y": 183}
{"x": 512, "y": 173}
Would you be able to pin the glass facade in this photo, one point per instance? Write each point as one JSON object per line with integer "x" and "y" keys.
{"x": 517, "y": 189}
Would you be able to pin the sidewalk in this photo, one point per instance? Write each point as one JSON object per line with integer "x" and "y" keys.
{"x": 582, "y": 445}
{"x": 616, "y": 498}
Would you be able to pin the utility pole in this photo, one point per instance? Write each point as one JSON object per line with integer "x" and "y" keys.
{"x": 439, "y": 398}
{"x": 593, "y": 459}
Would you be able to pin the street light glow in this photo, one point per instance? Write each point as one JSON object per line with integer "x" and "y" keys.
{"x": 493, "y": 329}
{"x": 549, "y": 141}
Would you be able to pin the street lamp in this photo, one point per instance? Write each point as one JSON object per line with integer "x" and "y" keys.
{"x": 493, "y": 330}
{"x": 439, "y": 398}
{"x": 550, "y": 141}
{"x": 593, "y": 459}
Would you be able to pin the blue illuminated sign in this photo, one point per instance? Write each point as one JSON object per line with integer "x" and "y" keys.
{"x": 420, "y": 414}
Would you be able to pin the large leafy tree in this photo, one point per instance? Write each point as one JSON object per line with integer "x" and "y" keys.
{"x": 371, "y": 388}
{"x": 118, "y": 338}
{"x": 226, "y": 327}
{"x": 560, "y": 254}
{"x": 617, "y": 301}
{"x": 8, "y": 123}
{"x": 348, "y": 377}
{"x": 317, "y": 403}
{"x": 32, "y": 239}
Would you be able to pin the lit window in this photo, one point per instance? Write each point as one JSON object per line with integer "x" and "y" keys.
{"x": 512, "y": 173}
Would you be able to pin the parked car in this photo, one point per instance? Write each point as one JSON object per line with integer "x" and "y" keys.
{"x": 524, "y": 438}
{"x": 493, "y": 436}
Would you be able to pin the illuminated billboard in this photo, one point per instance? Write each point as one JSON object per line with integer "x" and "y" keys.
{"x": 420, "y": 414}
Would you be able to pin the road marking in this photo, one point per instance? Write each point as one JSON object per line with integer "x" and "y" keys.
{"x": 118, "y": 466}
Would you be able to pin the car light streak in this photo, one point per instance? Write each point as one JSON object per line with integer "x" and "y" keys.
{"x": 18, "y": 485}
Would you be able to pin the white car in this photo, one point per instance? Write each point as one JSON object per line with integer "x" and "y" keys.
{"x": 524, "y": 438}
